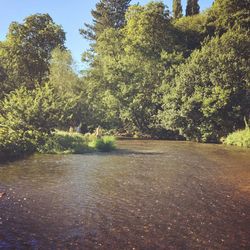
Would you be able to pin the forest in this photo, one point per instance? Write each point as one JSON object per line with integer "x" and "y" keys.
{"x": 150, "y": 73}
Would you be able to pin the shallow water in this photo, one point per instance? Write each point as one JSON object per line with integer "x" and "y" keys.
{"x": 146, "y": 195}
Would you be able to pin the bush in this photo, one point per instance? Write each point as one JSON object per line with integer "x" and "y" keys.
{"x": 239, "y": 138}
{"x": 64, "y": 142}
{"x": 37, "y": 110}
{"x": 14, "y": 144}
{"x": 104, "y": 144}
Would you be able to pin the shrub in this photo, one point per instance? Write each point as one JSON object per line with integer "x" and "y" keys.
{"x": 239, "y": 138}
{"x": 64, "y": 142}
{"x": 37, "y": 110}
{"x": 14, "y": 144}
{"x": 104, "y": 144}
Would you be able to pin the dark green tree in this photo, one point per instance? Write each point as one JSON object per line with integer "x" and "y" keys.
{"x": 177, "y": 9}
{"x": 108, "y": 14}
{"x": 210, "y": 95}
{"x": 192, "y": 8}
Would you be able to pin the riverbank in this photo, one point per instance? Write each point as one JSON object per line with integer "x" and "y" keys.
{"x": 62, "y": 142}
{"x": 58, "y": 142}
{"x": 15, "y": 146}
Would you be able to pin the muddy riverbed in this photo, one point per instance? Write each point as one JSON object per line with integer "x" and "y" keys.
{"x": 146, "y": 195}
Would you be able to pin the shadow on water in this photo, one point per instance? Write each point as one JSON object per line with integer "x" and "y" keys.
{"x": 4, "y": 162}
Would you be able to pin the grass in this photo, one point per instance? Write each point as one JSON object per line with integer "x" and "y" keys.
{"x": 62, "y": 142}
{"x": 239, "y": 138}
{"x": 104, "y": 144}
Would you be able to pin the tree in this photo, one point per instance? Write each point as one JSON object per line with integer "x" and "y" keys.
{"x": 227, "y": 14}
{"x": 67, "y": 84}
{"x": 210, "y": 95}
{"x": 26, "y": 53}
{"x": 27, "y": 118}
{"x": 177, "y": 9}
{"x": 149, "y": 29}
{"x": 191, "y": 31}
{"x": 62, "y": 75}
{"x": 3, "y": 86}
{"x": 108, "y": 14}
{"x": 129, "y": 65}
{"x": 192, "y": 8}
{"x": 32, "y": 110}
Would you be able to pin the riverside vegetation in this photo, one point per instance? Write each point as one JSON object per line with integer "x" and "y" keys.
{"x": 58, "y": 142}
{"x": 149, "y": 72}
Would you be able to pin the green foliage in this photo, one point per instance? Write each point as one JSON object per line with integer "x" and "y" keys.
{"x": 62, "y": 142}
{"x": 228, "y": 14}
{"x": 149, "y": 30}
{"x": 128, "y": 69}
{"x": 104, "y": 144}
{"x": 192, "y": 8}
{"x": 191, "y": 31}
{"x": 148, "y": 73}
{"x": 107, "y": 14}
{"x": 177, "y": 9}
{"x": 32, "y": 110}
{"x": 239, "y": 138}
{"x": 62, "y": 76}
{"x": 17, "y": 143}
{"x": 26, "y": 117}
{"x": 211, "y": 92}
{"x": 26, "y": 52}
{"x": 67, "y": 84}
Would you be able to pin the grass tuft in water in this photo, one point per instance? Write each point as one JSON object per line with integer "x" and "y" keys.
{"x": 104, "y": 144}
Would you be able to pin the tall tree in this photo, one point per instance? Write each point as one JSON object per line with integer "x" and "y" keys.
{"x": 108, "y": 14}
{"x": 149, "y": 29}
{"x": 131, "y": 66}
{"x": 68, "y": 86}
{"x": 193, "y": 8}
{"x": 177, "y": 8}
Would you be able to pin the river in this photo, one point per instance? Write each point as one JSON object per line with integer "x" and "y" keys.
{"x": 145, "y": 195}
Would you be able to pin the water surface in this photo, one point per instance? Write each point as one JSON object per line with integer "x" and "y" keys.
{"x": 147, "y": 195}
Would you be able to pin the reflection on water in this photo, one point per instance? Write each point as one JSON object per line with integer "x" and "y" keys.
{"x": 147, "y": 195}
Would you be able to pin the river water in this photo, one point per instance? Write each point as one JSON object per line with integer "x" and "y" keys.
{"x": 146, "y": 195}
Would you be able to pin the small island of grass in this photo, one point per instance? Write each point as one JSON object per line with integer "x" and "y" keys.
{"x": 62, "y": 142}
{"x": 15, "y": 145}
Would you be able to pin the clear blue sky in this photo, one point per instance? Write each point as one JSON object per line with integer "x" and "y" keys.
{"x": 70, "y": 14}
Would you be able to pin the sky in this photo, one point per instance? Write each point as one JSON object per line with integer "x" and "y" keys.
{"x": 71, "y": 15}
